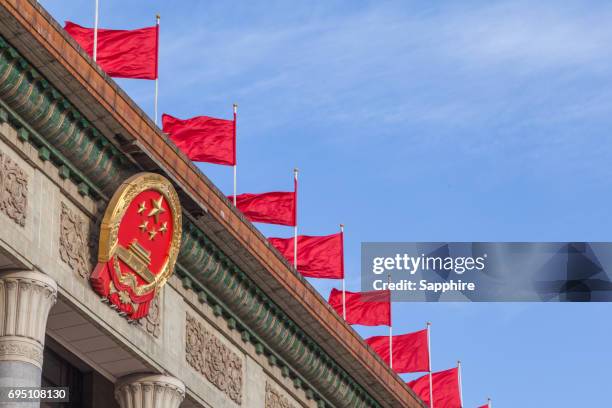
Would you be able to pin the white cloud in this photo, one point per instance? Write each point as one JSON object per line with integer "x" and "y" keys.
{"x": 535, "y": 35}
{"x": 387, "y": 64}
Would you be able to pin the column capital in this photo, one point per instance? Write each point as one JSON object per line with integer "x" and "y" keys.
{"x": 149, "y": 391}
{"x": 25, "y": 300}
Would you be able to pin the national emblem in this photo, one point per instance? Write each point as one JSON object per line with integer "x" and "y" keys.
{"x": 140, "y": 239}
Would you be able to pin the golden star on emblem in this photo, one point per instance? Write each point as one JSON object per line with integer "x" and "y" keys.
{"x": 152, "y": 234}
{"x": 157, "y": 209}
{"x": 124, "y": 297}
{"x": 142, "y": 207}
{"x": 143, "y": 226}
{"x": 164, "y": 228}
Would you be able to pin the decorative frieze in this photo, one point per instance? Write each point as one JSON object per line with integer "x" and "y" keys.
{"x": 14, "y": 348}
{"x": 74, "y": 243}
{"x": 213, "y": 359}
{"x": 13, "y": 190}
{"x": 274, "y": 398}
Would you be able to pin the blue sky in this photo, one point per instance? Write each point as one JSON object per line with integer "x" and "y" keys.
{"x": 415, "y": 121}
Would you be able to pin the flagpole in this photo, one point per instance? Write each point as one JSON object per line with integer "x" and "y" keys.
{"x": 235, "y": 143}
{"x": 343, "y": 278}
{"x": 95, "y": 43}
{"x": 390, "y": 324}
{"x": 489, "y": 403}
{"x": 295, "y": 229}
{"x": 460, "y": 386}
{"x": 431, "y": 400}
{"x": 157, "y": 74}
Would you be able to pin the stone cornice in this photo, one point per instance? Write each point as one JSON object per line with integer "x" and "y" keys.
{"x": 34, "y": 107}
{"x": 29, "y": 102}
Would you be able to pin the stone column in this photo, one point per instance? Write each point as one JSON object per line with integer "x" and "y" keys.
{"x": 149, "y": 391}
{"x": 25, "y": 300}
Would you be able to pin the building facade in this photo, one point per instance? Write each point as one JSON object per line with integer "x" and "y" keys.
{"x": 234, "y": 326}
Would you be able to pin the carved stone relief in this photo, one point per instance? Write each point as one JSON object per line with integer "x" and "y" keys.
{"x": 274, "y": 399}
{"x": 151, "y": 323}
{"x": 75, "y": 247}
{"x": 214, "y": 360}
{"x": 13, "y": 190}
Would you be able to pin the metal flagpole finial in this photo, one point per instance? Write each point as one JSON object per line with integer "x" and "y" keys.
{"x": 342, "y": 227}
{"x": 235, "y": 107}
{"x": 428, "y": 323}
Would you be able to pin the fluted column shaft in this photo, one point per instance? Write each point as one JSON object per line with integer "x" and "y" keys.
{"x": 149, "y": 391}
{"x": 25, "y": 300}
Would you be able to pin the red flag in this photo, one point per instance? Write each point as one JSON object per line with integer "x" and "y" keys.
{"x": 446, "y": 392}
{"x": 270, "y": 208}
{"x": 366, "y": 308}
{"x": 121, "y": 53}
{"x": 203, "y": 139}
{"x": 318, "y": 257}
{"x": 410, "y": 351}
{"x": 420, "y": 386}
{"x": 483, "y": 406}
